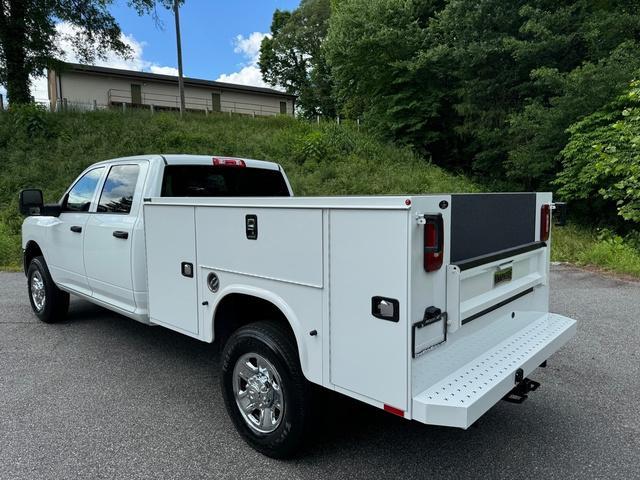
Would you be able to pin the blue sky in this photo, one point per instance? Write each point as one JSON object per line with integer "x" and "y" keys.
{"x": 210, "y": 30}
{"x": 220, "y": 40}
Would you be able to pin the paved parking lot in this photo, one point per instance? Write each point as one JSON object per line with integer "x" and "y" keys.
{"x": 101, "y": 396}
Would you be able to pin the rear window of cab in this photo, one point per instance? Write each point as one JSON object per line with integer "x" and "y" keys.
{"x": 222, "y": 181}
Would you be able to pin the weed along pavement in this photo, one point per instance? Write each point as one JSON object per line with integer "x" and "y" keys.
{"x": 101, "y": 396}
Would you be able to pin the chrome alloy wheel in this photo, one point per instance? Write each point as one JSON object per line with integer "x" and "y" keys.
{"x": 37, "y": 291}
{"x": 257, "y": 388}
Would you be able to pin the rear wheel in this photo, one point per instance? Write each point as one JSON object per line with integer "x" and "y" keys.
{"x": 264, "y": 389}
{"x": 49, "y": 303}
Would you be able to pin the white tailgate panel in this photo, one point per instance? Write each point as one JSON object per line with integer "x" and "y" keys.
{"x": 471, "y": 292}
{"x": 288, "y": 247}
{"x": 368, "y": 257}
{"x": 171, "y": 240}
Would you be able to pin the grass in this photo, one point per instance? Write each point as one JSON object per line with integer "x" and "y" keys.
{"x": 40, "y": 149}
{"x": 44, "y": 150}
{"x": 604, "y": 250}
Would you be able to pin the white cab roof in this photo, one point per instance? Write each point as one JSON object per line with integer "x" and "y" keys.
{"x": 182, "y": 159}
{"x": 208, "y": 160}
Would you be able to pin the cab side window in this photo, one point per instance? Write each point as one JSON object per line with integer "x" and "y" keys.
{"x": 80, "y": 195}
{"x": 118, "y": 190}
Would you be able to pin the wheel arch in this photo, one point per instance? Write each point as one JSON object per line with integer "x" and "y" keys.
{"x": 31, "y": 250}
{"x": 240, "y": 305}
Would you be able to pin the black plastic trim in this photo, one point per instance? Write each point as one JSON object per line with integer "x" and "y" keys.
{"x": 492, "y": 257}
{"x": 498, "y": 305}
{"x": 375, "y": 301}
{"x": 251, "y": 226}
{"x": 186, "y": 268}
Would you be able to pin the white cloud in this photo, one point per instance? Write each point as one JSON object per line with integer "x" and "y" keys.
{"x": 250, "y": 46}
{"x": 163, "y": 70}
{"x": 249, "y": 73}
{"x": 111, "y": 59}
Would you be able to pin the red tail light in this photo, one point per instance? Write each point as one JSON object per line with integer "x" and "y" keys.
{"x": 433, "y": 242}
{"x": 228, "y": 162}
{"x": 545, "y": 222}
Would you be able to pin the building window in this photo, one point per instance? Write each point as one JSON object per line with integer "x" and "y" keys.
{"x": 283, "y": 108}
{"x": 136, "y": 94}
{"x": 216, "y": 104}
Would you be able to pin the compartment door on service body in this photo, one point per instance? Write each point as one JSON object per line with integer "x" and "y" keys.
{"x": 170, "y": 234}
{"x": 109, "y": 235}
{"x": 368, "y": 258}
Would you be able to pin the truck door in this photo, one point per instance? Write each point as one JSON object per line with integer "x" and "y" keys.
{"x": 109, "y": 235}
{"x": 67, "y": 236}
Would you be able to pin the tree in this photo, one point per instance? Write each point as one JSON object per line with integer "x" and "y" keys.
{"x": 293, "y": 58}
{"x": 525, "y": 70}
{"x": 28, "y": 33}
{"x": 601, "y": 161}
{"x": 585, "y": 55}
{"x": 382, "y": 69}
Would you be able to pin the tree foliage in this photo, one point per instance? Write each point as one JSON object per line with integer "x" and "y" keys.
{"x": 525, "y": 70}
{"x": 383, "y": 71}
{"x": 292, "y": 56}
{"x": 28, "y": 36}
{"x": 487, "y": 85}
{"x": 601, "y": 161}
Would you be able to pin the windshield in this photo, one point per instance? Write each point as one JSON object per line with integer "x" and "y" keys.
{"x": 222, "y": 181}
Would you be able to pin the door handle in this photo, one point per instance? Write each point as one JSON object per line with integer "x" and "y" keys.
{"x": 121, "y": 234}
{"x": 76, "y": 229}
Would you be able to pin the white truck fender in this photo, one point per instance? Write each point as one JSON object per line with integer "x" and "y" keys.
{"x": 275, "y": 300}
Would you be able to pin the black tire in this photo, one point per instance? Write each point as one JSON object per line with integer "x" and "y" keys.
{"x": 274, "y": 343}
{"x": 56, "y": 302}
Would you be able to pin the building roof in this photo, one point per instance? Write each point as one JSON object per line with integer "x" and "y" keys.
{"x": 156, "y": 77}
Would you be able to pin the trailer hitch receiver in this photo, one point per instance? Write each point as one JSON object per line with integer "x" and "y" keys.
{"x": 518, "y": 394}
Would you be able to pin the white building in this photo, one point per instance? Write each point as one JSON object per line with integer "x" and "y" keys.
{"x": 86, "y": 86}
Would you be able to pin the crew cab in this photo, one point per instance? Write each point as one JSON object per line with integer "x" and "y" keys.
{"x": 431, "y": 307}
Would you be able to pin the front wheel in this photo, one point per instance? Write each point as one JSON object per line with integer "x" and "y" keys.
{"x": 49, "y": 303}
{"x": 264, "y": 389}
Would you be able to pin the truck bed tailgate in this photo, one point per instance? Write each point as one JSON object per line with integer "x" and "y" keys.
{"x": 478, "y": 286}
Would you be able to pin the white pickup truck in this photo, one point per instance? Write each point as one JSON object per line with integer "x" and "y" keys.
{"x": 431, "y": 307}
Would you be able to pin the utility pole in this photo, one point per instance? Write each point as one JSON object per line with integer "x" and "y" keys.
{"x": 176, "y": 12}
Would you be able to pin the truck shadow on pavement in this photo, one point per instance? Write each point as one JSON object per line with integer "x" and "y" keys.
{"x": 176, "y": 381}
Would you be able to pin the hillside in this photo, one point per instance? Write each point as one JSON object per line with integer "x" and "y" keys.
{"x": 39, "y": 149}
{"x": 47, "y": 151}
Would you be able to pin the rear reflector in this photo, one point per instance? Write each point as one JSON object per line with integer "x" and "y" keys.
{"x": 433, "y": 242}
{"x": 228, "y": 162}
{"x": 545, "y": 222}
{"x": 394, "y": 410}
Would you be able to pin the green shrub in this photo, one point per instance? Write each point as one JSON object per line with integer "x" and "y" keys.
{"x": 30, "y": 120}
{"x": 601, "y": 248}
{"x": 602, "y": 160}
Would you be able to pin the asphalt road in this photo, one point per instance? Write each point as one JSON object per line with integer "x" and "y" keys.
{"x": 101, "y": 396}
